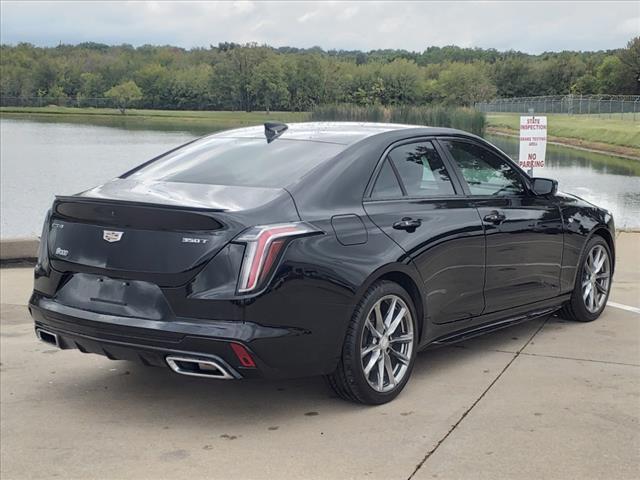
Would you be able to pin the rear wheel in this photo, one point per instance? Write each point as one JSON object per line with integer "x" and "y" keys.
{"x": 379, "y": 348}
{"x": 593, "y": 283}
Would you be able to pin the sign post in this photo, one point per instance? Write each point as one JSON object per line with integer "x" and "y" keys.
{"x": 533, "y": 142}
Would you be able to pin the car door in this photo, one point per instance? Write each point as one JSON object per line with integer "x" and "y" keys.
{"x": 523, "y": 230}
{"x": 420, "y": 205}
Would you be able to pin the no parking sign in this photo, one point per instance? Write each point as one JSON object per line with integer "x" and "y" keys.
{"x": 533, "y": 142}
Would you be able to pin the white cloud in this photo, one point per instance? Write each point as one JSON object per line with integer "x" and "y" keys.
{"x": 543, "y": 26}
{"x": 243, "y": 6}
{"x": 306, "y": 17}
{"x": 631, "y": 25}
{"x": 348, "y": 13}
{"x": 390, "y": 25}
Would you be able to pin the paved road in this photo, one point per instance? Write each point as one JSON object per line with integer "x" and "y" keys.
{"x": 548, "y": 399}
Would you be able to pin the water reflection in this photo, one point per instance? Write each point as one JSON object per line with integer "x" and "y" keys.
{"x": 44, "y": 156}
{"x": 190, "y": 125}
{"x": 558, "y": 156}
{"x": 40, "y": 160}
{"x": 610, "y": 182}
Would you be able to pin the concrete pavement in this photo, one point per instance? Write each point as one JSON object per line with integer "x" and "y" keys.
{"x": 547, "y": 399}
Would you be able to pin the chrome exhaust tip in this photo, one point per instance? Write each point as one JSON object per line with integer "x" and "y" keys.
{"x": 198, "y": 367}
{"x": 47, "y": 337}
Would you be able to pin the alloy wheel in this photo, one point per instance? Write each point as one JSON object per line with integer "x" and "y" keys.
{"x": 596, "y": 278}
{"x": 387, "y": 343}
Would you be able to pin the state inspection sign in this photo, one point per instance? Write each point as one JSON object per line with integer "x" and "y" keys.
{"x": 533, "y": 142}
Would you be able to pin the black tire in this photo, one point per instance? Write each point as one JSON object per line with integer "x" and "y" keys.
{"x": 348, "y": 380}
{"x": 575, "y": 309}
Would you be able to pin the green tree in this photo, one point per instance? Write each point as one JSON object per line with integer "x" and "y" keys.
{"x": 57, "y": 95}
{"x": 365, "y": 86}
{"x": 268, "y": 84}
{"x": 232, "y": 82}
{"x": 69, "y": 75}
{"x": 154, "y": 80}
{"x": 337, "y": 77}
{"x": 630, "y": 58}
{"x": 306, "y": 81}
{"x": 464, "y": 84}
{"x": 585, "y": 85}
{"x": 556, "y": 74}
{"x": 614, "y": 77}
{"x": 124, "y": 94}
{"x": 45, "y": 74}
{"x": 402, "y": 80}
{"x": 190, "y": 87}
{"x": 512, "y": 77}
{"x": 231, "y": 76}
{"x": 92, "y": 86}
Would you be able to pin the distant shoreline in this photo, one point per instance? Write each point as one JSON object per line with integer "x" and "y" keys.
{"x": 195, "y": 121}
{"x": 588, "y": 131}
{"x": 592, "y": 133}
{"x": 577, "y": 144}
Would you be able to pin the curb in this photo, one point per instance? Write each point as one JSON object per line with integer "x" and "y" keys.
{"x": 18, "y": 249}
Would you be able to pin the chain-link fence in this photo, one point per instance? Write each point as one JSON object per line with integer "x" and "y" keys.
{"x": 613, "y": 106}
{"x": 626, "y": 107}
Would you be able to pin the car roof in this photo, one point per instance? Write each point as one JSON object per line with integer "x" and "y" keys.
{"x": 343, "y": 133}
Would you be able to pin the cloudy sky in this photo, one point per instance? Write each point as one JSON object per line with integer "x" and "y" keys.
{"x": 530, "y": 26}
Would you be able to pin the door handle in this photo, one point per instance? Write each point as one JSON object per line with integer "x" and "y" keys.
{"x": 495, "y": 217}
{"x": 408, "y": 224}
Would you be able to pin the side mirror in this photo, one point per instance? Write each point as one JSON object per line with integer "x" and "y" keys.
{"x": 545, "y": 186}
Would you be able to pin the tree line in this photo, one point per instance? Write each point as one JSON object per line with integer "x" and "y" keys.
{"x": 248, "y": 77}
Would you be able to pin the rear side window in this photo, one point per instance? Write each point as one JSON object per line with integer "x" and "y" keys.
{"x": 421, "y": 170}
{"x": 239, "y": 161}
{"x": 387, "y": 185}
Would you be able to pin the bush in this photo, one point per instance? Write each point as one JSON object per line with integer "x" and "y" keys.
{"x": 462, "y": 118}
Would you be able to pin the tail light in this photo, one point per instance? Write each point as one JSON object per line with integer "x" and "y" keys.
{"x": 263, "y": 245}
{"x": 42, "y": 264}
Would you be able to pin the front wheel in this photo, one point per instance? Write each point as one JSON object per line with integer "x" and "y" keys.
{"x": 593, "y": 283}
{"x": 379, "y": 348}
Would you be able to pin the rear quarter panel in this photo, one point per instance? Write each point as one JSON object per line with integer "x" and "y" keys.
{"x": 313, "y": 293}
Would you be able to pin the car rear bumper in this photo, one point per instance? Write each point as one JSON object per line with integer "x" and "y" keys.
{"x": 274, "y": 350}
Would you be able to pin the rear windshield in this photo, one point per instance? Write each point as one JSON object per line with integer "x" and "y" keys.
{"x": 239, "y": 161}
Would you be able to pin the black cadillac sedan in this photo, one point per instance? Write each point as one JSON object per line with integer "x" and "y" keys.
{"x": 336, "y": 249}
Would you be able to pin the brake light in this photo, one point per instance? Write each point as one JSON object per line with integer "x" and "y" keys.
{"x": 263, "y": 246}
{"x": 42, "y": 265}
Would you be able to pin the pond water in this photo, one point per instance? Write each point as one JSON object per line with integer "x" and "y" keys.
{"x": 609, "y": 182}
{"x": 39, "y": 159}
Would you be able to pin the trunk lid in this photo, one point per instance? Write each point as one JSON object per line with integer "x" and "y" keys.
{"x": 156, "y": 231}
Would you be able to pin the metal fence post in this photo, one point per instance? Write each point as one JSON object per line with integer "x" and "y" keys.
{"x": 580, "y": 105}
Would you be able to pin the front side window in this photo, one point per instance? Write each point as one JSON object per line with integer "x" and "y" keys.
{"x": 484, "y": 171}
{"x": 421, "y": 170}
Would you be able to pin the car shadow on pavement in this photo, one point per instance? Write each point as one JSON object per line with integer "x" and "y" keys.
{"x": 144, "y": 390}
